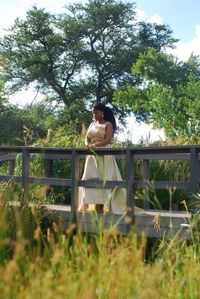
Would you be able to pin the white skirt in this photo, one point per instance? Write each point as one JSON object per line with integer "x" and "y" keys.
{"x": 103, "y": 168}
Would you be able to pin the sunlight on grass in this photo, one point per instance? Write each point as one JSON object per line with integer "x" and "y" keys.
{"x": 39, "y": 260}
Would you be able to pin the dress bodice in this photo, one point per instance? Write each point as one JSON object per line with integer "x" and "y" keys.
{"x": 96, "y": 132}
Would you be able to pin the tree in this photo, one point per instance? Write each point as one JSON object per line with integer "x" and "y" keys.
{"x": 36, "y": 50}
{"x": 24, "y": 125}
{"x": 176, "y": 110}
{"x": 82, "y": 55}
{"x": 169, "y": 96}
{"x": 113, "y": 40}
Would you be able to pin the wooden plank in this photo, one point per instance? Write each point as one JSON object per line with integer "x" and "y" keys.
{"x": 58, "y": 157}
{"x": 25, "y": 173}
{"x": 163, "y": 156}
{"x": 157, "y": 153}
{"x": 101, "y": 184}
{"x": 11, "y": 167}
{"x": 129, "y": 187}
{"x": 74, "y": 186}
{"x": 48, "y": 173}
{"x": 98, "y": 184}
{"x": 194, "y": 173}
{"x": 95, "y": 222}
{"x": 146, "y": 177}
{"x": 150, "y": 156}
{"x": 180, "y": 148}
{"x": 8, "y": 157}
{"x": 170, "y": 222}
{"x": 50, "y": 181}
{"x": 48, "y": 167}
{"x": 147, "y": 218}
{"x": 135, "y": 150}
{"x": 160, "y": 218}
{"x": 10, "y": 178}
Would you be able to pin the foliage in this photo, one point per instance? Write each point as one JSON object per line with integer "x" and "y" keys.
{"x": 165, "y": 69}
{"x": 169, "y": 96}
{"x": 25, "y": 125}
{"x": 60, "y": 137}
{"x": 9, "y": 122}
{"x": 35, "y": 50}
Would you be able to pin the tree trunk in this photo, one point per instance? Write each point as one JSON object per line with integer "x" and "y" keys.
{"x": 99, "y": 90}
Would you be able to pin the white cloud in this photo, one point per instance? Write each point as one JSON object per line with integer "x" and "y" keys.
{"x": 10, "y": 10}
{"x": 198, "y": 30}
{"x": 155, "y": 19}
{"x": 25, "y": 96}
{"x": 138, "y": 132}
{"x": 184, "y": 50}
{"x": 140, "y": 15}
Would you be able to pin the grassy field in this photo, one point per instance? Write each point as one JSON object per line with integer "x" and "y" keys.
{"x": 38, "y": 260}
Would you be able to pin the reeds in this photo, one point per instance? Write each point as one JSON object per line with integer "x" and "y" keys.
{"x": 39, "y": 260}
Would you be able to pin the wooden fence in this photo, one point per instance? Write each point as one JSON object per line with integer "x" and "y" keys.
{"x": 145, "y": 154}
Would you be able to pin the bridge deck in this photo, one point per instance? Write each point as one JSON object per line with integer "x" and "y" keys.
{"x": 153, "y": 223}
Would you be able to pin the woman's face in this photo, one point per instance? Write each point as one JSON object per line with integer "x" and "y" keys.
{"x": 97, "y": 114}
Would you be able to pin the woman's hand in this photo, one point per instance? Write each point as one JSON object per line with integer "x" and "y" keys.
{"x": 90, "y": 146}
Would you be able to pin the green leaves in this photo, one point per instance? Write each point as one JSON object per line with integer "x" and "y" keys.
{"x": 36, "y": 50}
{"x": 169, "y": 95}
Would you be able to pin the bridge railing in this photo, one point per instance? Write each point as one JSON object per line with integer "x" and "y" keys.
{"x": 145, "y": 154}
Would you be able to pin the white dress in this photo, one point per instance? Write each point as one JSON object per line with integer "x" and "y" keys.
{"x": 102, "y": 167}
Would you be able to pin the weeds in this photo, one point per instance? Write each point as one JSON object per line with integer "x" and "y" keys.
{"x": 40, "y": 260}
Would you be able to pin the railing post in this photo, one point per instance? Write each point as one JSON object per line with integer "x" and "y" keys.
{"x": 146, "y": 175}
{"x": 194, "y": 174}
{"x": 48, "y": 167}
{"x": 129, "y": 186}
{"x": 48, "y": 172}
{"x": 25, "y": 173}
{"x": 74, "y": 186}
{"x": 11, "y": 167}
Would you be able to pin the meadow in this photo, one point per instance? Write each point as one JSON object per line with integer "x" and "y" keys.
{"x": 40, "y": 260}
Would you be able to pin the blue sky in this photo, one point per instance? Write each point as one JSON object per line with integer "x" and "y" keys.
{"x": 183, "y": 16}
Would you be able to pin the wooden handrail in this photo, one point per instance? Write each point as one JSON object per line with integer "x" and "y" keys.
{"x": 136, "y": 150}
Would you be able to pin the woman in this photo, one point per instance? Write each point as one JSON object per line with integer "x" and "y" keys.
{"x": 102, "y": 167}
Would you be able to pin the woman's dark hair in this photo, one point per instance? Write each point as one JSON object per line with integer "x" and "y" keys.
{"x": 108, "y": 114}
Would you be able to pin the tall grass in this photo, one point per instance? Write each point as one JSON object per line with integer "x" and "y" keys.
{"x": 39, "y": 260}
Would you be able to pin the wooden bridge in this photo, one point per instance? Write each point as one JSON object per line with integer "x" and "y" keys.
{"x": 153, "y": 223}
